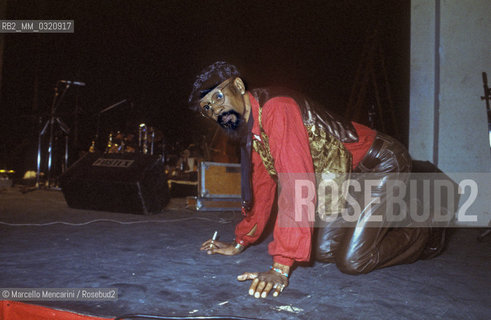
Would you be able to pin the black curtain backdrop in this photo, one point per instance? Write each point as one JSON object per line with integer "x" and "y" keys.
{"x": 149, "y": 52}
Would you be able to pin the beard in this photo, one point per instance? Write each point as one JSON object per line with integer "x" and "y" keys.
{"x": 232, "y": 123}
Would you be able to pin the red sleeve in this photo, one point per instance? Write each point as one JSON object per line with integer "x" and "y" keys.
{"x": 263, "y": 188}
{"x": 289, "y": 144}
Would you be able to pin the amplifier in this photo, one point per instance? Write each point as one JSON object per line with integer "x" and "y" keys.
{"x": 219, "y": 180}
{"x": 219, "y": 188}
{"x": 118, "y": 182}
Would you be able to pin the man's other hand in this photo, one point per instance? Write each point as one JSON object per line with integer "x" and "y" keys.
{"x": 264, "y": 282}
{"x": 213, "y": 246}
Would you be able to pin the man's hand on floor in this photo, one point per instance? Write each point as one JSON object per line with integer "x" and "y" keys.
{"x": 264, "y": 282}
{"x": 213, "y": 246}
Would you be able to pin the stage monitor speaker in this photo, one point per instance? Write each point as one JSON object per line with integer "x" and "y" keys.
{"x": 117, "y": 182}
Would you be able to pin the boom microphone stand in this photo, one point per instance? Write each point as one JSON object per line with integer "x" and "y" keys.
{"x": 53, "y": 118}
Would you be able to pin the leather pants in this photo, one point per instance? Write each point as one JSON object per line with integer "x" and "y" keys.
{"x": 361, "y": 248}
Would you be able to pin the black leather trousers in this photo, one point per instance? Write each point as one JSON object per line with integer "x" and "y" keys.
{"x": 361, "y": 248}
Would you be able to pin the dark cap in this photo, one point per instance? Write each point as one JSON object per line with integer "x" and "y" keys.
{"x": 209, "y": 78}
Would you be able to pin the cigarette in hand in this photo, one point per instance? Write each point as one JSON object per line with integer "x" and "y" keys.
{"x": 213, "y": 239}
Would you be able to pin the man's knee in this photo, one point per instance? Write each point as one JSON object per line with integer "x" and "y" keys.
{"x": 355, "y": 264}
{"x": 325, "y": 247}
{"x": 324, "y": 256}
{"x": 327, "y": 242}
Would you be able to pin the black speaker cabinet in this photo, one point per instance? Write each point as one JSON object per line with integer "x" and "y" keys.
{"x": 125, "y": 182}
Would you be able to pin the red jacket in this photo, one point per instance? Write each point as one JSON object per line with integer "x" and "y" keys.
{"x": 289, "y": 146}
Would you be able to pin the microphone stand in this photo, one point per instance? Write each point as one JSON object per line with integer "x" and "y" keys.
{"x": 57, "y": 99}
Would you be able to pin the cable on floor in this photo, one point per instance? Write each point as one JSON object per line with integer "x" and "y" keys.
{"x": 221, "y": 220}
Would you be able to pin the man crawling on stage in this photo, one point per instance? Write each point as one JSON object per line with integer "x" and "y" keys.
{"x": 282, "y": 135}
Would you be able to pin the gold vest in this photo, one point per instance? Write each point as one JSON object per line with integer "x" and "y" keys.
{"x": 330, "y": 158}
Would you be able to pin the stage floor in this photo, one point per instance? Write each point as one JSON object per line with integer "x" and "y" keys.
{"x": 155, "y": 263}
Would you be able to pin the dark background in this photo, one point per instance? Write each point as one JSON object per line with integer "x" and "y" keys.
{"x": 149, "y": 52}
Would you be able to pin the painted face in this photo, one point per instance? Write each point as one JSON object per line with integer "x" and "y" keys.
{"x": 225, "y": 105}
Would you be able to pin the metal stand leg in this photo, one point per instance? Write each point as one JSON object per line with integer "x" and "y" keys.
{"x": 41, "y": 134}
{"x": 66, "y": 154}
{"x": 51, "y": 122}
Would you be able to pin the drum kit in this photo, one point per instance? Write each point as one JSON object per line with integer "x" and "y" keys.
{"x": 125, "y": 142}
{"x": 120, "y": 142}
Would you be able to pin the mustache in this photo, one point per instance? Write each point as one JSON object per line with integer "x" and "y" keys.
{"x": 230, "y": 124}
{"x": 233, "y": 129}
